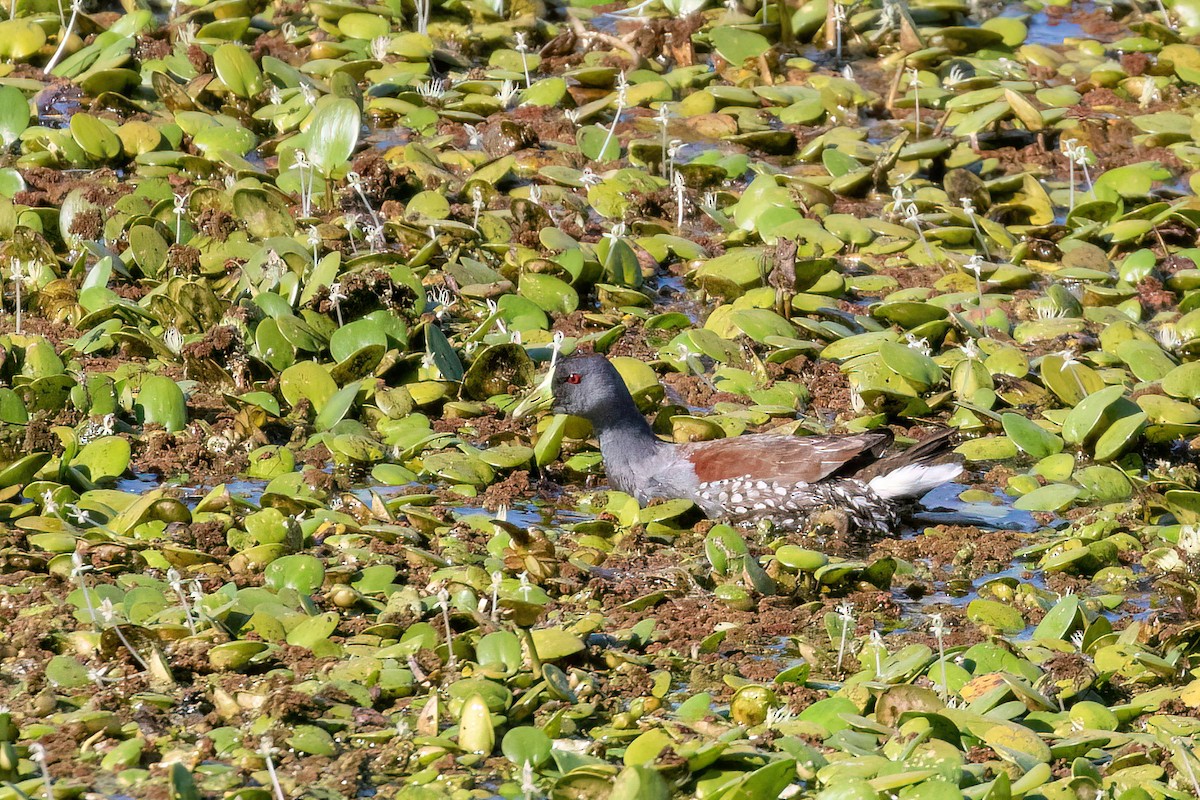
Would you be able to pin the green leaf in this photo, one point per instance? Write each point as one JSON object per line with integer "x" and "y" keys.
{"x": 736, "y": 45}
{"x": 237, "y": 70}
{"x": 14, "y": 114}
{"x": 333, "y": 135}
{"x": 595, "y": 143}
{"x": 161, "y": 401}
{"x": 1030, "y": 437}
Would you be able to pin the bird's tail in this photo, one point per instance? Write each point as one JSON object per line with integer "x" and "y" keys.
{"x": 919, "y": 469}
{"x": 913, "y": 480}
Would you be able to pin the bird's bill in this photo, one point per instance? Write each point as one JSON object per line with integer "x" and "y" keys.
{"x": 541, "y": 398}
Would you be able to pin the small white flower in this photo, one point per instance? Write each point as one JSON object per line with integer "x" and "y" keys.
{"x": 80, "y": 515}
{"x": 173, "y": 339}
{"x": 1068, "y": 358}
{"x": 778, "y": 715}
{"x": 1150, "y": 93}
{"x": 336, "y": 296}
{"x": 528, "y": 784}
{"x": 508, "y": 93}
{"x": 433, "y": 89}
{"x": 1045, "y": 308}
{"x": 107, "y": 610}
{"x": 663, "y": 117}
{"x": 1168, "y": 336}
{"x": 380, "y": 46}
{"x": 79, "y": 566}
{"x": 376, "y": 238}
{"x": 1189, "y": 539}
{"x": 474, "y": 137}
{"x": 918, "y": 344}
{"x": 622, "y": 89}
{"x": 615, "y": 233}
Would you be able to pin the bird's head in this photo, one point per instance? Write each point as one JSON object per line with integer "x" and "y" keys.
{"x": 587, "y": 386}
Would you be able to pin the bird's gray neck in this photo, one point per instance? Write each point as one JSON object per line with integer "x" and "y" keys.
{"x": 628, "y": 445}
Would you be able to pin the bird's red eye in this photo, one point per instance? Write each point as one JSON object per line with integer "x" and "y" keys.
{"x": 574, "y": 377}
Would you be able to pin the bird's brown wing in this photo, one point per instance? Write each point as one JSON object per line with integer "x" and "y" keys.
{"x": 936, "y": 447}
{"x": 785, "y": 459}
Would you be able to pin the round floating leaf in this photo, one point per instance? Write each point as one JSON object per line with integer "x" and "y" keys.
{"x": 313, "y": 630}
{"x": 301, "y": 572}
{"x": 553, "y": 644}
{"x": 14, "y": 114}
{"x": 237, "y": 70}
{"x": 149, "y": 249}
{"x": 1183, "y": 381}
{"x": 595, "y": 143}
{"x": 1120, "y": 436}
{"x": 1103, "y": 484}
{"x": 1052, "y": 497}
{"x": 1070, "y": 380}
{"x": 1061, "y": 620}
{"x": 736, "y": 45}
{"x": 1032, "y": 438}
{"x": 1088, "y": 419}
{"x": 1003, "y": 617}
{"x": 349, "y": 339}
{"x": 910, "y": 364}
{"x": 333, "y": 135}
{"x": 20, "y": 38}
{"x": 160, "y": 401}
{"x": 66, "y": 673}
{"x": 337, "y": 406}
{"x": 312, "y": 740}
{"x": 307, "y": 380}
{"x": 526, "y": 745}
{"x": 106, "y": 457}
{"x": 229, "y": 656}
{"x": 95, "y": 137}
{"x": 499, "y": 369}
{"x": 548, "y": 292}
{"x": 1017, "y": 743}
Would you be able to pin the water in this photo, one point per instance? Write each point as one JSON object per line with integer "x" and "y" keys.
{"x": 945, "y": 507}
{"x": 1043, "y": 30}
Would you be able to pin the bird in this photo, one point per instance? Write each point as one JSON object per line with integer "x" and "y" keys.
{"x": 782, "y": 479}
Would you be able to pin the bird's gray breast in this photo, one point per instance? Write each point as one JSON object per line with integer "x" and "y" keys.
{"x": 663, "y": 476}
